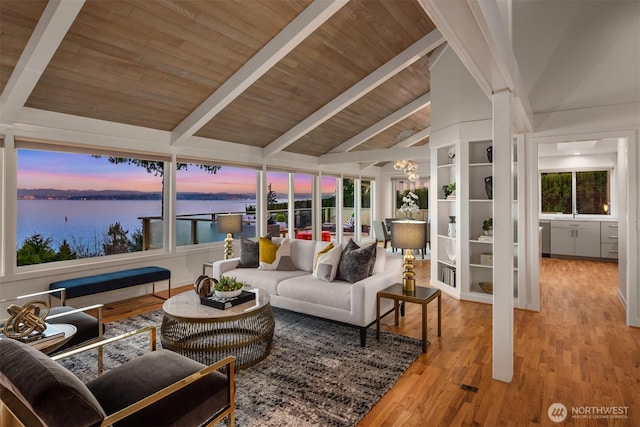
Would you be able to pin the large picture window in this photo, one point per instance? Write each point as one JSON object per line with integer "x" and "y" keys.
{"x": 582, "y": 192}
{"x": 74, "y": 205}
{"x": 205, "y": 191}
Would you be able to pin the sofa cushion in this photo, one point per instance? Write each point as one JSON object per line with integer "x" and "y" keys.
{"x": 302, "y": 253}
{"x": 357, "y": 262}
{"x": 147, "y": 374}
{"x": 264, "y": 279}
{"x": 307, "y": 288}
{"x": 327, "y": 262}
{"x": 381, "y": 261}
{"x": 54, "y": 394}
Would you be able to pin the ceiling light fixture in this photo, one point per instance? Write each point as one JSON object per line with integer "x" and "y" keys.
{"x": 409, "y": 167}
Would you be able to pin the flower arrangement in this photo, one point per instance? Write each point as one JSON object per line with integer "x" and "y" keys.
{"x": 409, "y": 206}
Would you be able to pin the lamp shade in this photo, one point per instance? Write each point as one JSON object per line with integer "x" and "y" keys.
{"x": 408, "y": 234}
{"x": 229, "y": 223}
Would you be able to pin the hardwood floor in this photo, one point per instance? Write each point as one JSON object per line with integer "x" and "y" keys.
{"x": 576, "y": 351}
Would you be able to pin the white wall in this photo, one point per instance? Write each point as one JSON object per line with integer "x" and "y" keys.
{"x": 578, "y": 54}
{"x": 455, "y": 95}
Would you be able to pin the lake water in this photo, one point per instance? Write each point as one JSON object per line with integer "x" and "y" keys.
{"x": 84, "y": 220}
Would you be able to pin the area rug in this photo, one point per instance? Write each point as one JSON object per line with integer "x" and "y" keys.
{"x": 316, "y": 375}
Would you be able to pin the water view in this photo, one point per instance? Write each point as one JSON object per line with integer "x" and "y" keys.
{"x": 86, "y": 220}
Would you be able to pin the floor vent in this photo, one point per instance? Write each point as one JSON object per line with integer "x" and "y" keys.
{"x": 468, "y": 387}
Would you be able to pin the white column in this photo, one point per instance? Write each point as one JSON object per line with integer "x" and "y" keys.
{"x": 261, "y": 201}
{"x": 169, "y": 222}
{"x": 316, "y": 206}
{"x": 9, "y": 188}
{"x": 502, "y": 237}
{"x": 291, "y": 209}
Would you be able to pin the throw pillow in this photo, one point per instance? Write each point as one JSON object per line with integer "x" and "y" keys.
{"x": 356, "y": 262}
{"x": 275, "y": 257}
{"x": 323, "y": 251}
{"x": 249, "y": 254}
{"x": 327, "y": 263}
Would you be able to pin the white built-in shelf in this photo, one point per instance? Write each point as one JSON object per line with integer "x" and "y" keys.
{"x": 448, "y": 165}
{"x": 481, "y": 241}
{"x": 481, "y": 266}
{"x": 448, "y": 263}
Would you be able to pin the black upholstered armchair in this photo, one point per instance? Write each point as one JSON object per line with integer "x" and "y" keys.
{"x": 158, "y": 388}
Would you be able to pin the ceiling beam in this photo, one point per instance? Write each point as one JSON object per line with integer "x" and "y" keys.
{"x": 378, "y": 155}
{"x": 410, "y": 55}
{"x": 291, "y": 36}
{"x": 384, "y": 124}
{"x": 477, "y": 33}
{"x": 53, "y": 25}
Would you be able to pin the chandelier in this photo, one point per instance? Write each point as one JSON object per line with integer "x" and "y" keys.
{"x": 409, "y": 167}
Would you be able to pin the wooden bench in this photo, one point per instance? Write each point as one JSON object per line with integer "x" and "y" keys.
{"x": 90, "y": 285}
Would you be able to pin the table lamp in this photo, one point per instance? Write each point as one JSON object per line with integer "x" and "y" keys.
{"x": 229, "y": 223}
{"x": 408, "y": 235}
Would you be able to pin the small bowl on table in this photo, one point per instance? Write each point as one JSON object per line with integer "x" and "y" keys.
{"x": 228, "y": 294}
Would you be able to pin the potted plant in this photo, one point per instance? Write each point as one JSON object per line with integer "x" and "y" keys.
{"x": 281, "y": 220}
{"x": 228, "y": 287}
{"x": 487, "y": 226}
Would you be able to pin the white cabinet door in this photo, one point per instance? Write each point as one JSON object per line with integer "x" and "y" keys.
{"x": 562, "y": 241}
{"x": 587, "y": 241}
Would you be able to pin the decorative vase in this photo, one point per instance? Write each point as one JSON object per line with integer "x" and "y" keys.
{"x": 450, "y": 247}
{"x": 490, "y": 153}
{"x": 488, "y": 186}
{"x": 451, "y": 230}
{"x": 445, "y": 191}
{"x": 452, "y": 219}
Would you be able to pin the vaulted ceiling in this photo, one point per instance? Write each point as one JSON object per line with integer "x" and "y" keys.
{"x": 301, "y": 76}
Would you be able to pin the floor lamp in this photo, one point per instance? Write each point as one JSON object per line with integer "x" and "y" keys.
{"x": 229, "y": 223}
{"x": 408, "y": 235}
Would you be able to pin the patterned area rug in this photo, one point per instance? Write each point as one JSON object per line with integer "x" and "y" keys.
{"x": 316, "y": 375}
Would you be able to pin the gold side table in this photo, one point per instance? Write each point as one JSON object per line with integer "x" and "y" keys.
{"x": 207, "y": 334}
{"x": 422, "y": 296}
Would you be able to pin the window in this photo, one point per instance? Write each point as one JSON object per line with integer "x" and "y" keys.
{"x": 278, "y": 198}
{"x": 303, "y": 190}
{"x": 582, "y": 192}
{"x": 328, "y": 187}
{"x": 420, "y": 188}
{"x": 73, "y": 205}
{"x": 204, "y": 191}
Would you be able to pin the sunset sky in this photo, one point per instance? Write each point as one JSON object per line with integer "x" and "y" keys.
{"x": 68, "y": 171}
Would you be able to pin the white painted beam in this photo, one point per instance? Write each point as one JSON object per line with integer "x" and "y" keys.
{"x": 477, "y": 33}
{"x": 53, "y": 25}
{"x": 291, "y": 36}
{"x": 384, "y": 124}
{"x": 410, "y": 55}
{"x": 379, "y": 155}
{"x": 503, "y": 280}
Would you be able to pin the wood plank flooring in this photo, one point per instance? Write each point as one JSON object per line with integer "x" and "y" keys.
{"x": 576, "y": 351}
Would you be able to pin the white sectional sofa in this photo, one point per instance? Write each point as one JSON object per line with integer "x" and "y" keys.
{"x": 299, "y": 291}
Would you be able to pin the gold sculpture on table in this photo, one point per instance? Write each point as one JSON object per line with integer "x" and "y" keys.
{"x": 26, "y": 319}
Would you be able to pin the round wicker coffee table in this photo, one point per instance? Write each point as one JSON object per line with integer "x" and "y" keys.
{"x": 207, "y": 334}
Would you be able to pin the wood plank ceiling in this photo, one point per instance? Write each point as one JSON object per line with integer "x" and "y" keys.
{"x": 153, "y": 63}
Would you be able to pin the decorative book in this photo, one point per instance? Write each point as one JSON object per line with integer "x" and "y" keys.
{"x": 224, "y": 303}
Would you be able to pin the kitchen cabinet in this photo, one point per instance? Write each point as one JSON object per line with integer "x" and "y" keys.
{"x": 609, "y": 239}
{"x": 576, "y": 238}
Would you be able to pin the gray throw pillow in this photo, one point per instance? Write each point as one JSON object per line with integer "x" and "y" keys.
{"x": 356, "y": 262}
{"x": 250, "y": 252}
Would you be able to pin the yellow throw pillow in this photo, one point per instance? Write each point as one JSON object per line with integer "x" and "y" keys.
{"x": 268, "y": 250}
{"x": 319, "y": 254}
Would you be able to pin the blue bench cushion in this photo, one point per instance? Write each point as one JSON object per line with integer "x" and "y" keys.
{"x": 110, "y": 281}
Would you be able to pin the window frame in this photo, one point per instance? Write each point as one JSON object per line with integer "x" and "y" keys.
{"x": 574, "y": 171}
